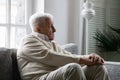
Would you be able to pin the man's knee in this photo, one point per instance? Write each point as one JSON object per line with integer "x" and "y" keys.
{"x": 74, "y": 68}
{"x": 74, "y": 72}
{"x": 102, "y": 68}
{"x": 99, "y": 68}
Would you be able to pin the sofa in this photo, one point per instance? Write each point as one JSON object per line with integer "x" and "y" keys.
{"x": 9, "y": 67}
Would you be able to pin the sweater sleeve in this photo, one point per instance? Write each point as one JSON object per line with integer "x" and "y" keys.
{"x": 34, "y": 50}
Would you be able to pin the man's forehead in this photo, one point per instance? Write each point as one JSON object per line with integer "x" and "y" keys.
{"x": 48, "y": 20}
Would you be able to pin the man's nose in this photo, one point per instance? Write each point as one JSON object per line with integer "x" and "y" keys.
{"x": 54, "y": 30}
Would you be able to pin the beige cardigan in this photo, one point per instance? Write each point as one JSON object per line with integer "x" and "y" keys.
{"x": 37, "y": 56}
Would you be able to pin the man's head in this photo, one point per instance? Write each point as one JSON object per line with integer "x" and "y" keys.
{"x": 43, "y": 23}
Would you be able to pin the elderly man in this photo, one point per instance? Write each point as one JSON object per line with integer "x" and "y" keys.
{"x": 40, "y": 58}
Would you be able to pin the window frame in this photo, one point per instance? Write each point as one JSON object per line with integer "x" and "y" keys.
{"x": 8, "y": 25}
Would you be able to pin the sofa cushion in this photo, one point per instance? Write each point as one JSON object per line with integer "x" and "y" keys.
{"x": 8, "y": 65}
{"x": 5, "y": 65}
{"x": 71, "y": 47}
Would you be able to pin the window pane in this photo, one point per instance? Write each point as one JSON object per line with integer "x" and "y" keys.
{"x": 18, "y": 12}
{"x": 17, "y": 33}
{"x": 3, "y": 11}
{"x": 20, "y": 33}
{"x": 12, "y": 38}
{"x": 3, "y": 36}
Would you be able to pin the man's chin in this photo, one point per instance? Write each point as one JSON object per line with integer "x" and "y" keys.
{"x": 50, "y": 39}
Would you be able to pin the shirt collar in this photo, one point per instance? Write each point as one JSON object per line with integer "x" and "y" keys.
{"x": 42, "y": 36}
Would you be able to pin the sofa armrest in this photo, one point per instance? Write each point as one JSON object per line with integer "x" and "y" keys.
{"x": 113, "y": 70}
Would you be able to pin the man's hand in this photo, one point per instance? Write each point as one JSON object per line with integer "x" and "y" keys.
{"x": 91, "y": 59}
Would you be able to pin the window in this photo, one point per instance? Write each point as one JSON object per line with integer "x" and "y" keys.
{"x": 12, "y": 22}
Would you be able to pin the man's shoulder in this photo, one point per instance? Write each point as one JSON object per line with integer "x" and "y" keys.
{"x": 29, "y": 37}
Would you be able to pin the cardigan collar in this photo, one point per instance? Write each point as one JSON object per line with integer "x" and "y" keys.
{"x": 42, "y": 36}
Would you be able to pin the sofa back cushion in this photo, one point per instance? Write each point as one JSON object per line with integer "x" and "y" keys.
{"x": 8, "y": 64}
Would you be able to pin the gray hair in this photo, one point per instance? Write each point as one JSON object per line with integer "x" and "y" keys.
{"x": 38, "y": 19}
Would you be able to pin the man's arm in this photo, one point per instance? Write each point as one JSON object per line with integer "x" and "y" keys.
{"x": 91, "y": 59}
{"x": 34, "y": 50}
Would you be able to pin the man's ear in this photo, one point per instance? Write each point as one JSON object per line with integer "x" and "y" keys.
{"x": 37, "y": 29}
